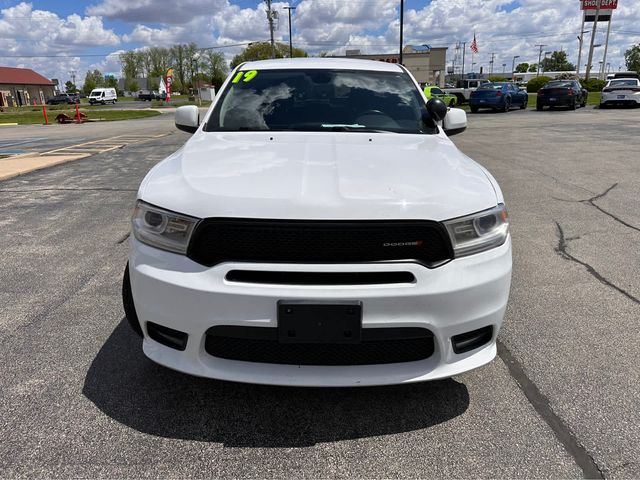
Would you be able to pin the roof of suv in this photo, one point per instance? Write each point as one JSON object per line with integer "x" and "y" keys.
{"x": 323, "y": 63}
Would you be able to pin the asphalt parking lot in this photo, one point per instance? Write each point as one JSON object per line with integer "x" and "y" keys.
{"x": 78, "y": 398}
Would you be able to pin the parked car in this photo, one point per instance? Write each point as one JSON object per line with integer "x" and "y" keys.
{"x": 338, "y": 239}
{"x": 148, "y": 95}
{"x": 499, "y": 96}
{"x": 621, "y": 91}
{"x": 436, "y": 92}
{"x": 103, "y": 96}
{"x": 562, "y": 93}
{"x": 62, "y": 99}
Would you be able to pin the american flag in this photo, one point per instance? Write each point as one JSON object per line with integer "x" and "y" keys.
{"x": 474, "y": 44}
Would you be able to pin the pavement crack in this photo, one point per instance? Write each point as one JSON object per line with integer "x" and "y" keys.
{"x": 591, "y": 201}
{"x": 562, "y": 250}
{"x": 542, "y": 406}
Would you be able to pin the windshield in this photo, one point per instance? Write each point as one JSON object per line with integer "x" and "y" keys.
{"x": 319, "y": 100}
{"x": 95, "y": 93}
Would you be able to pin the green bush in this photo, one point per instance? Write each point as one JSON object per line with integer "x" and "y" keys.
{"x": 593, "y": 84}
{"x": 497, "y": 79}
{"x": 537, "y": 83}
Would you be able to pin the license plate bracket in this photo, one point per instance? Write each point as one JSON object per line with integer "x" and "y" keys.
{"x": 317, "y": 322}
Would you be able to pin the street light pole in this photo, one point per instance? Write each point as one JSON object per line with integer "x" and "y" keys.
{"x": 513, "y": 67}
{"x": 290, "y": 38}
{"x": 401, "y": 28}
{"x": 539, "y": 59}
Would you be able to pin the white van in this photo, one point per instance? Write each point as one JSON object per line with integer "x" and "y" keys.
{"x": 103, "y": 96}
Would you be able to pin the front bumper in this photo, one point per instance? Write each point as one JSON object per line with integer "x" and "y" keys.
{"x": 464, "y": 295}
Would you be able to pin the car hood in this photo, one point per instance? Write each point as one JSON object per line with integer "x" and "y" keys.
{"x": 319, "y": 175}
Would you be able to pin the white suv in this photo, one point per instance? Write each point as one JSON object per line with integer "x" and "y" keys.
{"x": 621, "y": 91}
{"x": 319, "y": 229}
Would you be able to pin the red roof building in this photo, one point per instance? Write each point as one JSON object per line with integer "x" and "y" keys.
{"x": 23, "y": 86}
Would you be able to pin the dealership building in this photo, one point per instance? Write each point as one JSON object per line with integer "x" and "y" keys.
{"x": 427, "y": 64}
{"x": 23, "y": 86}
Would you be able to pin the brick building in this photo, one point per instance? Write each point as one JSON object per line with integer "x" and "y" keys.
{"x": 21, "y": 86}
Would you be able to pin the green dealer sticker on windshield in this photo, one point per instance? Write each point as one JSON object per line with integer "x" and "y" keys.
{"x": 248, "y": 76}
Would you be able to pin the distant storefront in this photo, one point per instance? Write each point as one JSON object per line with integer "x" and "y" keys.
{"x": 427, "y": 64}
{"x": 23, "y": 86}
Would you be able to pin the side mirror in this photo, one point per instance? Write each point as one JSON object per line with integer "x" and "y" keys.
{"x": 455, "y": 122}
{"x": 187, "y": 118}
{"x": 437, "y": 109}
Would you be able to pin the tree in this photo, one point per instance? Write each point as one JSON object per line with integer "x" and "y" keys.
{"x": 182, "y": 56}
{"x": 110, "y": 81}
{"x": 557, "y": 62}
{"x": 92, "y": 79}
{"x": 533, "y": 68}
{"x": 70, "y": 87}
{"x": 129, "y": 62}
{"x": 522, "y": 68}
{"x": 160, "y": 61}
{"x": 216, "y": 68}
{"x": 262, "y": 51}
{"x": 632, "y": 58}
{"x": 131, "y": 85}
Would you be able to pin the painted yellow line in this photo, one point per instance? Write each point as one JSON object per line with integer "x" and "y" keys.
{"x": 12, "y": 167}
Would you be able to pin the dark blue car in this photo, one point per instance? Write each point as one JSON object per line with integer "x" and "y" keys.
{"x": 499, "y": 96}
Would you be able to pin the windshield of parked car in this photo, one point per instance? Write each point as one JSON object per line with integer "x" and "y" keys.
{"x": 319, "y": 100}
{"x": 559, "y": 84}
{"x": 95, "y": 93}
{"x": 623, "y": 83}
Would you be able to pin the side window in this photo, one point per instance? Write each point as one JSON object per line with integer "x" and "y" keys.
{"x": 436, "y": 91}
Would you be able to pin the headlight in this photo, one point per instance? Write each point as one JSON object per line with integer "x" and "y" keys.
{"x": 162, "y": 229}
{"x": 478, "y": 232}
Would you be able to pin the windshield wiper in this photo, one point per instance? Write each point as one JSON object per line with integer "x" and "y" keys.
{"x": 352, "y": 127}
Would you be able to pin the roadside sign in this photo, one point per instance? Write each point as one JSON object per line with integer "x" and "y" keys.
{"x": 590, "y": 16}
{"x": 604, "y": 4}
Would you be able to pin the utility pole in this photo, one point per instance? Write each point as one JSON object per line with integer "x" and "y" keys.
{"x": 539, "y": 59}
{"x": 606, "y": 45}
{"x": 593, "y": 38}
{"x": 581, "y": 39}
{"x": 401, "y": 28}
{"x": 270, "y": 18}
{"x": 513, "y": 67}
{"x": 491, "y": 63}
{"x": 464, "y": 50}
{"x": 290, "y": 38}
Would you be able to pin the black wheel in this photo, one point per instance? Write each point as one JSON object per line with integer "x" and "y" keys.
{"x": 127, "y": 303}
{"x": 572, "y": 105}
{"x": 507, "y": 105}
{"x": 474, "y": 109}
{"x": 524, "y": 104}
{"x": 452, "y": 103}
{"x": 539, "y": 107}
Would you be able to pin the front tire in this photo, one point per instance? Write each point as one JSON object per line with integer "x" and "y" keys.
{"x": 539, "y": 107}
{"x": 474, "y": 109}
{"x": 127, "y": 303}
{"x": 452, "y": 103}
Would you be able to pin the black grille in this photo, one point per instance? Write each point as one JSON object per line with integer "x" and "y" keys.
{"x": 378, "y": 346}
{"x": 217, "y": 240}
{"x": 319, "y": 278}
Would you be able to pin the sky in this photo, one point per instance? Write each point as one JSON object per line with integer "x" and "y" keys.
{"x": 57, "y": 37}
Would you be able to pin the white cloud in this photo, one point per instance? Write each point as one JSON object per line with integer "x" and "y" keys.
{"x": 505, "y": 27}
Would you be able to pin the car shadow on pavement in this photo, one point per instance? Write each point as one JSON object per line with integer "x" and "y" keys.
{"x": 140, "y": 394}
